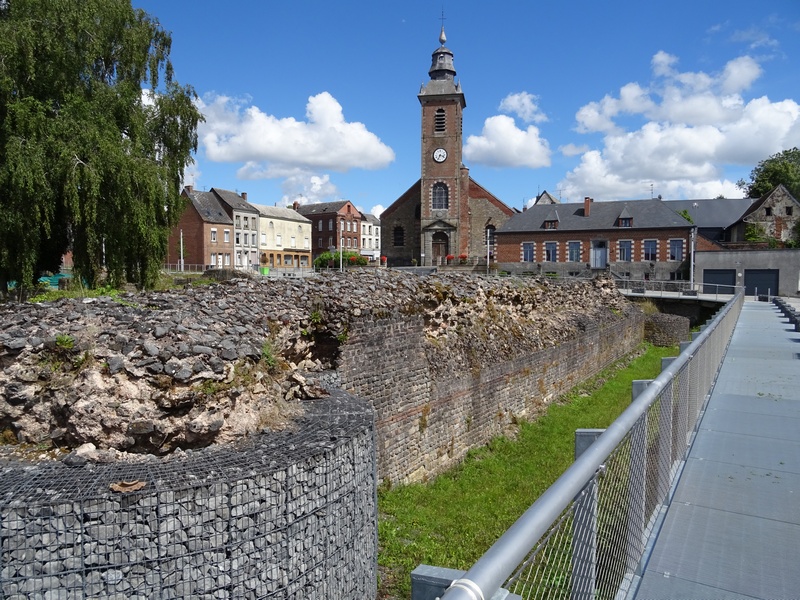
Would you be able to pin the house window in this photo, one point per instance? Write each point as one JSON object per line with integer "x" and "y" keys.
{"x": 287, "y": 260}
{"x": 440, "y": 196}
{"x": 227, "y": 259}
{"x": 278, "y": 240}
{"x": 625, "y": 253}
{"x": 330, "y": 242}
{"x": 439, "y": 121}
{"x": 527, "y": 252}
{"x": 294, "y": 241}
{"x": 319, "y": 242}
{"x": 246, "y": 223}
{"x": 306, "y": 243}
{"x": 551, "y": 251}
{"x": 227, "y": 235}
{"x": 330, "y": 224}
{"x": 213, "y": 260}
{"x": 650, "y": 248}
{"x": 238, "y": 221}
{"x": 768, "y": 211}
{"x": 263, "y": 239}
{"x": 246, "y": 239}
{"x": 398, "y": 236}
{"x": 574, "y": 251}
{"x": 238, "y": 259}
{"x": 303, "y": 261}
{"x": 551, "y": 224}
{"x": 788, "y": 211}
{"x": 363, "y": 242}
{"x": 238, "y": 238}
{"x": 625, "y": 221}
{"x": 676, "y": 249}
{"x": 213, "y": 236}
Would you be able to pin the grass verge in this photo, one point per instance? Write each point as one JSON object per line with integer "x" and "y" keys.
{"x": 452, "y": 521}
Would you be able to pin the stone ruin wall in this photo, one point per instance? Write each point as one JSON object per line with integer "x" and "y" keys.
{"x": 447, "y": 362}
{"x": 428, "y": 419}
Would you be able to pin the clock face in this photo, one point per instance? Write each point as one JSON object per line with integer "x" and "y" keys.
{"x": 439, "y": 155}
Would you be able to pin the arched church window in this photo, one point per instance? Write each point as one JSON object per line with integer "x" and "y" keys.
{"x": 440, "y": 196}
{"x": 489, "y": 238}
{"x": 398, "y": 236}
{"x": 439, "y": 121}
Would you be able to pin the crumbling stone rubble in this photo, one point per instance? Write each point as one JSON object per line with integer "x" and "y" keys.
{"x": 155, "y": 372}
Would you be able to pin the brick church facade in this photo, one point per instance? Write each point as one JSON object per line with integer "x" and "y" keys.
{"x": 445, "y": 212}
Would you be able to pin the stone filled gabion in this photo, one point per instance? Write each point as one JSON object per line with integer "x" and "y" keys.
{"x": 283, "y": 515}
{"x": 661, "y": 329}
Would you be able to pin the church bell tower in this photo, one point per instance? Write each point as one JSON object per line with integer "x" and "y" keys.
{"x": 444, "y": 181}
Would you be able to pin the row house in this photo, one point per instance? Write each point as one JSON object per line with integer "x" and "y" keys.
{"x": 204, "y": 234}
{"x": 371, "y": 237}
{"x": 284, "y": 238}
{"x": 334, "y": 226}
{"x": 641, "y": 239}
{"x": 245, "y": 227}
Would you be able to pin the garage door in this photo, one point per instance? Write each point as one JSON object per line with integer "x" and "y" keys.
{"x": 719, "y": 281}
{"x": 765, "y": 281}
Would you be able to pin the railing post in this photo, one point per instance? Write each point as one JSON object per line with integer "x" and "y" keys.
{"x": 584, "y": 528}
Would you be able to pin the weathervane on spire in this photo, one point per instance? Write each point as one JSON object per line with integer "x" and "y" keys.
{"x": 442, "y": 36}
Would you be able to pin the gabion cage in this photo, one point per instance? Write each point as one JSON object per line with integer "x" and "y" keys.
{"x": 282, "y": 515}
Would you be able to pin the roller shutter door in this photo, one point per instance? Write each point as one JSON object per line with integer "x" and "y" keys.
{"x": 719, "y": 281}
{"x": 765, "y": 281}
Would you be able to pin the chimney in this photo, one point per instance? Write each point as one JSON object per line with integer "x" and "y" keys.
{"x": 189, "y": 188}
{"x": 295, "y": 205}
{"x": 587, "y": 205}
{"x": 244, "y": 196}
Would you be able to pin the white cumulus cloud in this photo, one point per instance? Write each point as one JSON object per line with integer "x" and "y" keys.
{"x": 524, "y": 105}
{"x": 502, "y": 144}
{"x": 678, "y": 132}
{"x": 271, "y": 146}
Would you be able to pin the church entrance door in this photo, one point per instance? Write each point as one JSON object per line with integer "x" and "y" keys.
{"x": 440, "y": 248}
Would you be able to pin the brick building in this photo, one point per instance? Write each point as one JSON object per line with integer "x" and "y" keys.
{"x": 203, "y": 236}
{"x": 640, "y": 239}
{"x": 445, "y": 212}
{"x": 333, "y": 225}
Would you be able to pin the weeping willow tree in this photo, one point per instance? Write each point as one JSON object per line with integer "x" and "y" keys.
{"x": 95, "y": 134}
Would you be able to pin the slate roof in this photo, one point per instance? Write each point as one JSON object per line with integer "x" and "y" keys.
{"x": 279, "y": 212}
{"x": 646, "y": 214}
{"x": 371, "y": 219}
{"x": 208, "y": 207}
{"x": 321, "y": 208}
{"x": 234, "y": 201}
{"x": 713, "y": 212}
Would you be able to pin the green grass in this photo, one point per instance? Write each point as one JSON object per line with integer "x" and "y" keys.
{"x": 452, "y": 521}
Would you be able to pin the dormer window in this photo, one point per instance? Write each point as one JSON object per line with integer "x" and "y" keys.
{"x": 551, "y": 224}
{"x": 625, "y": 222}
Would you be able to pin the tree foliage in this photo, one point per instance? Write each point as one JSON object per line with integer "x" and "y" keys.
{"x": 94, "y": 137}
{"x": 783, "y": 167}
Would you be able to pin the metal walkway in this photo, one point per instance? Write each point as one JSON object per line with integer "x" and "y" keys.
{"x": 733, "y": 527}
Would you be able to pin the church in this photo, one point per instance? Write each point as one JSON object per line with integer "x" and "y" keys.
{"x": 445, "y": 213}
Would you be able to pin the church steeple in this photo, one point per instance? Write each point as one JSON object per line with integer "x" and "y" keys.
{"x": 442, "y": 67}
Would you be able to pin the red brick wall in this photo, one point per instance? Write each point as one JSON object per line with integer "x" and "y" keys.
{"x": 509, "y": 245}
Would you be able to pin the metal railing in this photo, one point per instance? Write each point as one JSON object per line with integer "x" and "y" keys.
{"x": 586, "y": 535}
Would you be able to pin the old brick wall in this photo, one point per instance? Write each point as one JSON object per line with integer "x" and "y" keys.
{"x": 426, "y": 424}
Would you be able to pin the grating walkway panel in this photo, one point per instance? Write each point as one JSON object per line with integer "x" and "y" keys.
{"x": 733, "y": 527}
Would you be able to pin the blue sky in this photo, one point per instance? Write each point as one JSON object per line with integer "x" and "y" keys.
{"x": 316, "y": 100}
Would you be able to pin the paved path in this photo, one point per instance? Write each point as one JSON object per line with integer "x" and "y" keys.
{"x": 733, "y": 527}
